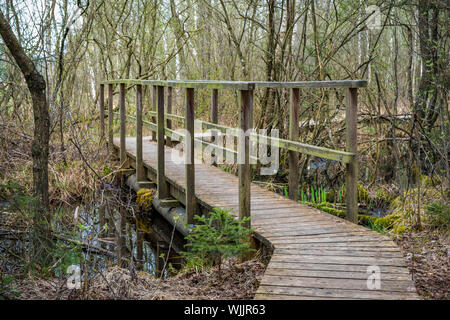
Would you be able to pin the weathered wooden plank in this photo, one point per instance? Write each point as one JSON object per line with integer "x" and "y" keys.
{"x": 294, "y": 265}
{"x": 369, "y": 261}
{"x": 338, "y": 253}
{"x": 337, "y": 293}
{"x": 334, "y": 274}
{"x": 336, "y": 283}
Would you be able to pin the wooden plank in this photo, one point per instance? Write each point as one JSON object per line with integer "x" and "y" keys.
{"x": 290, "y": 265}
{"x": 140, "y": 172}
{"x": 338, "y": 253}
{"x": 351, "y": 178}
{"x": 334, "y": 274}
{"x": 336, "y": 283}
{"x": 293, "y": 135}
{"x": 123, "y": 155}
{"x": 189, "y": 156}
{"x": 337, "y": 293}
{"x": 162, "y": 190}
{"x": 369, "y": 261}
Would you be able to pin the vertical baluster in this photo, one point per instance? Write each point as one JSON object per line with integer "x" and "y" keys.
{"x": 169, "y": 111}
{"x": 351, "y": 179}
{"x": 154, "y": 94}
{"x": 244, "y": 170}
{"x": 110, "y": 118}
{"x": 140, "y": 173}
{"x": 161, "y": 178}
{"x": 102, "y": 112}
{"x": 189, "y": 155}
{"x": 123, "y": 152}
{"x": 214, "y": 117}
{"x": 293, "y": 135}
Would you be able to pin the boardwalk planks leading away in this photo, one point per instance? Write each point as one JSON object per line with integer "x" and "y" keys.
{"x": 316, "y": 255}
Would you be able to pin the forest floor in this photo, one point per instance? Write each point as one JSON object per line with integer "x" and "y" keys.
{"x": 237, "y": 281}
{"x": 427, "y": 256}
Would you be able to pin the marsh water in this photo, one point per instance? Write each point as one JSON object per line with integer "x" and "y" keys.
{"x": 152, "y": 244}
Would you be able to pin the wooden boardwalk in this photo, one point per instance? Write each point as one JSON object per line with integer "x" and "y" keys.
{"x": 316, "y": 255}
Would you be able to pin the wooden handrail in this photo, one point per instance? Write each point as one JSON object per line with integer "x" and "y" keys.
{"x": 161, "y": 127}
{"x": 242, "y": 85}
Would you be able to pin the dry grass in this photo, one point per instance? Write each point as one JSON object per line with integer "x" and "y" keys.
{"x": 239, "y": 281}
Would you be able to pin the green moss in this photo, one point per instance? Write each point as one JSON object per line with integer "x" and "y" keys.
{"x": 144, "y": 199}
{"x": 363, "y": 194}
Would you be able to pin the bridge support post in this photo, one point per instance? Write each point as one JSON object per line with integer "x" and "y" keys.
{"x": 102, "y": 112}
{"x": 351, "y": 179}
{"x": 123, "y": 151}
{"x": 169, "y": 111}
{"x": 244, "y": 170}
{"x": 154, "y": 94}
{"x": 140, "y": 172}
{"x": 189, "y": 156}
{"x": 110, "y": 118}
{"x": 293, "y": 136}
{"x": 214, "y": 117}
{"x": 161, "y": 178}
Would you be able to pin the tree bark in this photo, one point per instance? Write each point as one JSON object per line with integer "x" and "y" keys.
{"x": 40, "y": 145}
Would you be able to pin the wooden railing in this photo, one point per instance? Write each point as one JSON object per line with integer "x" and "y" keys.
{"x": 161, "y": 127}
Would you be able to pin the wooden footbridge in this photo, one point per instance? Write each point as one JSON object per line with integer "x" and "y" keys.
{"x": 315, "y": 255}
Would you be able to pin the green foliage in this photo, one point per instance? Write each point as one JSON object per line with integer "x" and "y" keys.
{"x": 217, "y": 237}
{"x": 66, "y": 254}
{"x": 438, "y": 214}
{"x": 6, "y": 291}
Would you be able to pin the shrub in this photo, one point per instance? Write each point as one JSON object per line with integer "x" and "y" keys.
{"x": 217, "y": 237}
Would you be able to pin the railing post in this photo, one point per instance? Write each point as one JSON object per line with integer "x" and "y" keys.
{"x": 214, "y": 106}
{"x": 123, "y": 151}
{"x": 140, "y": 173}
{"x": 102, "y": 112}
{"x": 189, "y": 155}
{"x": 169, "y": 111}
{"x": 154, "y": 94}
{"x": 351, "y": 179}
{"x": 110, "y": 118}
{"x": 244, "y": 171}
{"x": 161, "y": 178}
{"x": 293, "y": 136}
{"x": 214, "y": 118}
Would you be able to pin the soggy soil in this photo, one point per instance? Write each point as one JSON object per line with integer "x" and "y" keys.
{"x": 428, "y": 260}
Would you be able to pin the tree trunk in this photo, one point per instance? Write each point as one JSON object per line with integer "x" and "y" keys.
{"x": 40, "y": 145}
